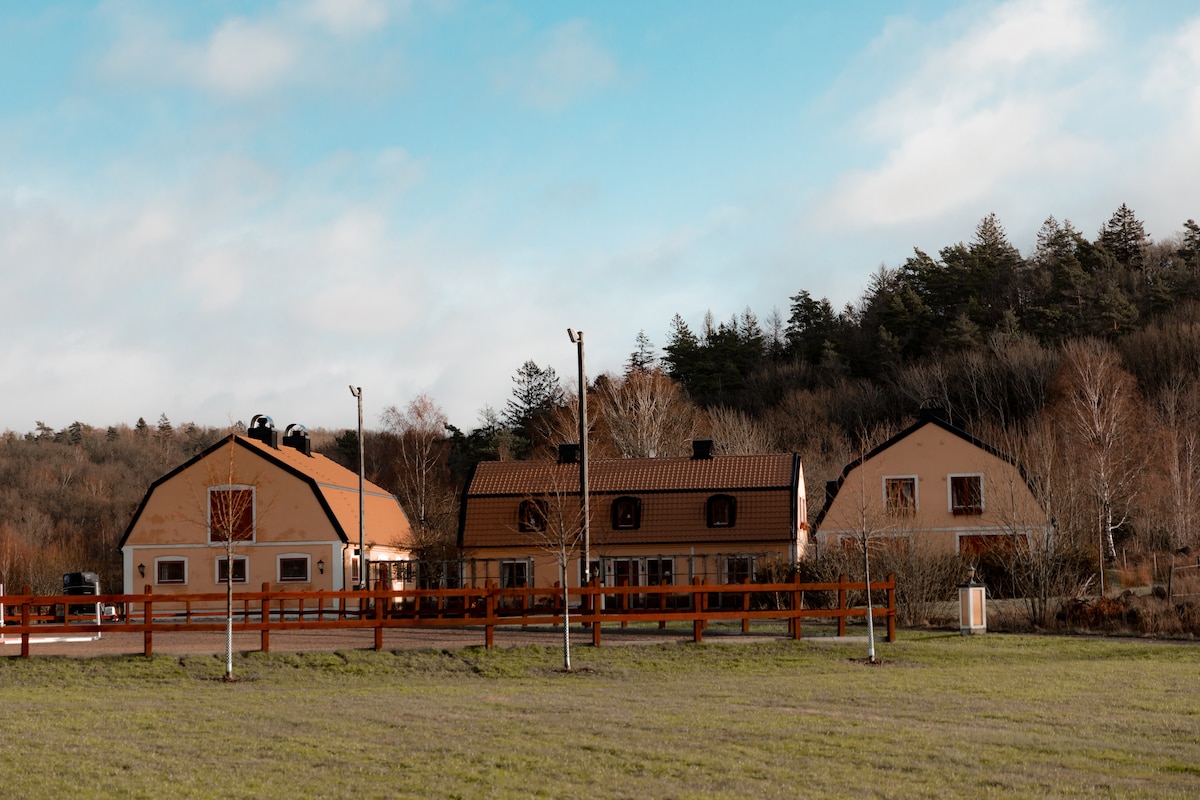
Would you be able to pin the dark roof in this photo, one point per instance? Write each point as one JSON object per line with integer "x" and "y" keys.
{"x": 675, "y": 491}
{"x": 632, "y": 475}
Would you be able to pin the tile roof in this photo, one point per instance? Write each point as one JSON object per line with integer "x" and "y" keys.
{"x": 633, "y": 475}
{"x": 674, "y": 493}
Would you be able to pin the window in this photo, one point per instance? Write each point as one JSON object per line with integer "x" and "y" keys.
{"x": 626, "y": 514}
{"x": 514, "y": 574}
{"x": 231, "y": 513}
{"x": 239, "y": 569}
{"x": 531, "y": 516}
{"x": 660, "y": 571}
{"x": 900, "y": 495}
{"x": 293, "y": 569}
{"x": 721, "y": 511}
{"x": 171, "y": 570}
{"x": 966, "y": 494}
{"x": 739, "y": 569}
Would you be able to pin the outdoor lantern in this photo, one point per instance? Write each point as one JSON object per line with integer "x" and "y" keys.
{"x": 321, "y": 566}
{"x": 972, "y": 605}
{"x": 142, "y": 570}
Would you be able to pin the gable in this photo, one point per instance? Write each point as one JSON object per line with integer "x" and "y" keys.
{"x": 299, "y": 497}
{"x": 933, "y": 454}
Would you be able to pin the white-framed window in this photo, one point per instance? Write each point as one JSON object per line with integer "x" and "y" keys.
{"x": 292, "y": 568}
{"x": 514, "y": 573}
{"x": 231, "y": 513}
{"x": 900, "y": 494}
{"x": 170, "y": 570}
{"x": 966, "y": 494}
{"x": 240, "y": 569}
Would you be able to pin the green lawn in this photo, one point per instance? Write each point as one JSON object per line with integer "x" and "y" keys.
{"x": 944, "y": 716}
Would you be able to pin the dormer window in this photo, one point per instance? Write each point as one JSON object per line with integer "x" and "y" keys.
{"x": 721, "y": 511}
{"x": 531, "y": 516}
{"x": 626, "y": 514}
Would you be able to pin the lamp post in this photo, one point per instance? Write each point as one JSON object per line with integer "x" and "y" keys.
{"x": 362, "y": 553}
{"x": 577, "y": 338}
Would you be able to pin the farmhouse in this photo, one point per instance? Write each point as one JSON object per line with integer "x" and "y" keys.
{"x": 291, "y": 516}
{"x": 652, "y": 521}
{"x": 931, "y": 486}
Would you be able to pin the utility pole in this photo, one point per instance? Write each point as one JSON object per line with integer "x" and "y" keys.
{"x": 577, "y": 338}
{"x": 362, "y": 553}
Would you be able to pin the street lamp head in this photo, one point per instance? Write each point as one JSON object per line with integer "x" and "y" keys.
{"x": 356, "y": 392}
{"x": 576, "y": 338}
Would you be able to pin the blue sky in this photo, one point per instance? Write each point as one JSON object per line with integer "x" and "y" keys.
{"x": 218, "y": 209}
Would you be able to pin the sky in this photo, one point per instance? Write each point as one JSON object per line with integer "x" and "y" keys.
{"x": 212, "y": 210}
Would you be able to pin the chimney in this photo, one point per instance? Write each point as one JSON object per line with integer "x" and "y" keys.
{"x": 831, "y": 488}
{"x": 568, "y": 453}
{"x": 262, "y": 428}
{"x": 702, "y": 449}
{"x": 296, "y": 436}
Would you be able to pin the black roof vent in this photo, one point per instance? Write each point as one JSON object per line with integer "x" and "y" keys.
{"x": 702, "y": 449}
{"x": 568, "y": 453}
{"x": 262, "y": 428}
{"x": 296, "y": 436}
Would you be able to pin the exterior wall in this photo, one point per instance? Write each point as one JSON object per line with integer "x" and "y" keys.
{"x": 931, "y": 455}
{"x": 686, "y": 562}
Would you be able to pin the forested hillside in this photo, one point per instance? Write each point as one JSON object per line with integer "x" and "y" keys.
{"x": 1080, "y": 358}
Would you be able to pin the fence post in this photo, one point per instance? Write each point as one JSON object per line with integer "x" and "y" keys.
{"x": 841, "y": 605}
{"x": 891, "y": 604}
{"x": 698, "y": 604}
{"x": 596, "y": 611}
{"x": 380, "y": 600}
{"x": 147, "y": 622}
{"x": 797, "y": 601}
{"x": 746, "y": 607}
{"x": 25, "y": 622}
{"x": 489, "y": 622}
{"x": 265, "y": 644}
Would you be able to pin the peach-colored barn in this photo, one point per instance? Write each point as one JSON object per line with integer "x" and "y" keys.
{"x": 292, "y": 516}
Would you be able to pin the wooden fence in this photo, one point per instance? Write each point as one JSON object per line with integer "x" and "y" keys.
{"x": 593, "y": 606}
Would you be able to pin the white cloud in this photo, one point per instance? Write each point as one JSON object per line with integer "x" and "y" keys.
{"x": 349, "y": 17}
{"x": 565, "y": 66}
{"x": 981, "y": 115}
{"x": 245, "y": 57}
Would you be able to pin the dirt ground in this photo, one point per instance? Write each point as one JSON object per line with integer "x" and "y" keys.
{"x": 117, "y": 643}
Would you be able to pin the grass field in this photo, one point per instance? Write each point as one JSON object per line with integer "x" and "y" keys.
{"x": 944, "y": 716}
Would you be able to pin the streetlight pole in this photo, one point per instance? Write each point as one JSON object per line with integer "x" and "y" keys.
{"x": 577, "y": 338}
{"x": 362, "y": 553}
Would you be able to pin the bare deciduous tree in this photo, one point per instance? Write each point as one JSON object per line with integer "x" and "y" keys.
{"x": 423, "y": 476}
{"x": 1100, "y": 411}
{"x": 646, "y": 414}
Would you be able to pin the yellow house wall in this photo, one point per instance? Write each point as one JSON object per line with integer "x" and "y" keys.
{"x": 932, "y": 455}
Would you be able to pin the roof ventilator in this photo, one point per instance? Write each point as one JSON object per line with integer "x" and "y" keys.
{"x": 702, "y": 449}
{"x": 262, "y": 428}
{"x": 296, "y": 436}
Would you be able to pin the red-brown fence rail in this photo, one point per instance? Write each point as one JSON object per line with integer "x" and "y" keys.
{"x": 42, "y": 617}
